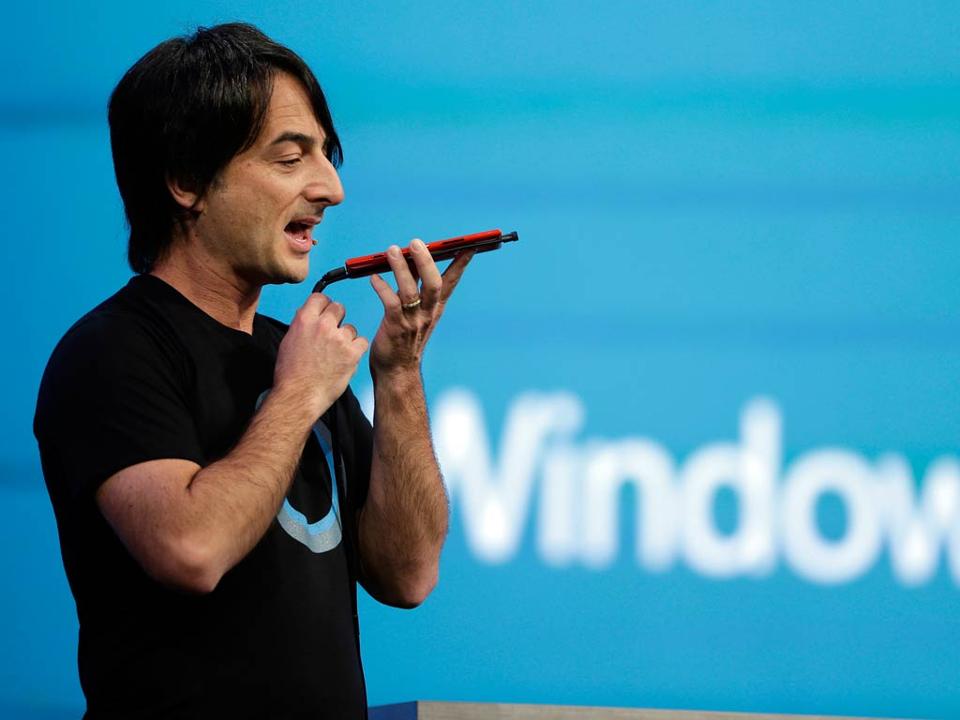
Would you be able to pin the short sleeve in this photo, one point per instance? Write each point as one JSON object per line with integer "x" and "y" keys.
{"x": 113, "y": 395}
{"x": 356, "y": 446}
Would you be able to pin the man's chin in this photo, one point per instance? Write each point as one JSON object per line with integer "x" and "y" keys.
{"x": 287, "y": 280}
{"x": 290, "y": 273}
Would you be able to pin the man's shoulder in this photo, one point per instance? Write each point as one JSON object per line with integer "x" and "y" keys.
{"x": 120, "y": 322}
{"x": 120, "y": 334}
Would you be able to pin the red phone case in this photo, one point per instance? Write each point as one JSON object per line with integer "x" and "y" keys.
{"x": 440, "y": 250}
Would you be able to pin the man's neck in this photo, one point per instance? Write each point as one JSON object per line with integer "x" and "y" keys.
{"x": 221, "y": 295}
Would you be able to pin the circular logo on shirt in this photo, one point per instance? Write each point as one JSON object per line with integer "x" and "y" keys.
{"x": 326, "y": 533}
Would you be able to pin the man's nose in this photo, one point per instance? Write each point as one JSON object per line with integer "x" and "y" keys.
{"x": 325, "y": 187}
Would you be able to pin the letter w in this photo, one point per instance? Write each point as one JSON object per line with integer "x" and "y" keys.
{"x": 495, "y": 500}
{"x": 919, "y": 522}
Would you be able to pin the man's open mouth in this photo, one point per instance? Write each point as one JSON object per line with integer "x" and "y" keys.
{"x": 299, "y": 231}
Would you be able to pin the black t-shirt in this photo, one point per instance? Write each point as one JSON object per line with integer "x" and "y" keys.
{"x": 147, "y": 375}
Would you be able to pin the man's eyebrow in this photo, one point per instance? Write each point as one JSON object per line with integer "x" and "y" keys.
{"x": 307, "y": 141}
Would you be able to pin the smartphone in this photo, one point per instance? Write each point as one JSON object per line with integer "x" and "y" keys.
{"x": 439, "y": 249}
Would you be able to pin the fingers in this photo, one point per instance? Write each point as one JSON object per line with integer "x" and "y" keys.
{"x": 319, "y": 307}
{"x": 427, "y": 269}
{"x": 406, "y": 283}
{"x": 315, "y": 304}
{"x": 435, "y": 288}
{"x": 453, "y": 273}
{"x": 351, "y": 329}
{"x": 335, "y": 312}
{"x": 391, "y": 303}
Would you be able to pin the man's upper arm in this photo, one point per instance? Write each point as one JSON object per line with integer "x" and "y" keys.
{"x": 113, "y": 423}
{"x": 147, "y": 506}
{"x": 112, "y": 397}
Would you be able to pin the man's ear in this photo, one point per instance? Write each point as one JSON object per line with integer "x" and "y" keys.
{"x": 185, "y": 195}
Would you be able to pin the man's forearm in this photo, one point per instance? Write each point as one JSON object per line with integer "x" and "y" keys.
{"x": 233, "y": 501}
{"x": 188, "y": 525}
{"x": 404, "y": 520}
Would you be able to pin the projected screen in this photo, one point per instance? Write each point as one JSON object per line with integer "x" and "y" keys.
{"x": 700, "y": 426}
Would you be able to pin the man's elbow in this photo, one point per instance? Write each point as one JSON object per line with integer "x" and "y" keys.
{"x": 418, "y": 591}
{"x": 410, "y": 590}
{"x": 185, "y": 565}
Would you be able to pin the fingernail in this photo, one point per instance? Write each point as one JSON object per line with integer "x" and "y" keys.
{"x": 417, "y": 242}
{"x": 394, "y": 249}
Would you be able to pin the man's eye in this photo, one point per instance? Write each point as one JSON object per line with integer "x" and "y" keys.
{"x": 290, "y": 162}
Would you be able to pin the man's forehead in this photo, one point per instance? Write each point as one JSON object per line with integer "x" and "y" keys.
{"x": 291, "y": 110}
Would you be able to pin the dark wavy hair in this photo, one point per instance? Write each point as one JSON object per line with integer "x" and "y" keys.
{"x": 183, "y": 111}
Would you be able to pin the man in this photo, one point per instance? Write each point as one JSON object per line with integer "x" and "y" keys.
{"x": 218, "y": 492}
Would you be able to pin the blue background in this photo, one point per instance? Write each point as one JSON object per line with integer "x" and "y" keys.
{"x": 716, "y": 201}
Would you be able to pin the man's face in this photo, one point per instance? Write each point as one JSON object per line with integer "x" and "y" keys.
{"x": 256, "y": 219}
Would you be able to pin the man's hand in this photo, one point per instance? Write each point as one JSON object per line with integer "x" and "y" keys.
{"x": 403, "y": 522}
{"x": 318, "y": 355}
{"x": 403, "y": 334}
